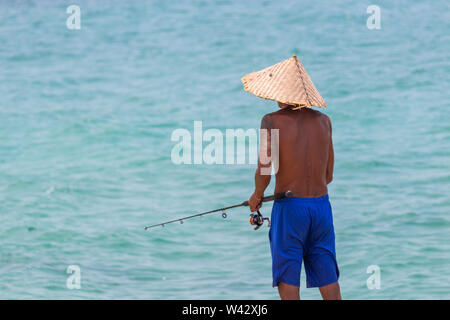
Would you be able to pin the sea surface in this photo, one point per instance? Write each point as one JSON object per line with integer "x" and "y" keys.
{"x": 86, "y": 118}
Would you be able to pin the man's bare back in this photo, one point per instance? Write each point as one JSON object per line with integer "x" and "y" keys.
{"x": 306, "y": 154}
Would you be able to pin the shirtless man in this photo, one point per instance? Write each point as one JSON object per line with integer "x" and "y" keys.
{"x": 302, "y": 225}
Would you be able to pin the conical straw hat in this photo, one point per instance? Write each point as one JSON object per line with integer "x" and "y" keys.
{"x": 285, "y": 82}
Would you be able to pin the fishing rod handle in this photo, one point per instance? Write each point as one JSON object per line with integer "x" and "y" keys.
{"x": 276, "y": 196}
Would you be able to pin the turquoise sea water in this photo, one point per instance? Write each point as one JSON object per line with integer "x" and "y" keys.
{"x": 86, "y": 118}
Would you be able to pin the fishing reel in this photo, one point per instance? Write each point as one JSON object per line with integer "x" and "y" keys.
{"x": 256, "y": 219}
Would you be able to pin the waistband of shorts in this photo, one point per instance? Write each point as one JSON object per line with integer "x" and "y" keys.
{"x": 304, "y": 200}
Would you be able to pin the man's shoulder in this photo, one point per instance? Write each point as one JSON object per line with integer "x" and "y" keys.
{"x": 269, "y": 118}
{"x": 275, "y": 114}
{"x": 326, "y": 118}
{"x": 319, "y": 113}
{"x": 322, "y": 116}
{"x": 284, "y": 114}
{"x": 267, "y": 121}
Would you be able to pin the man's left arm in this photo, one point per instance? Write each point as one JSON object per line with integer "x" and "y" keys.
{"x": 262, "y": 174}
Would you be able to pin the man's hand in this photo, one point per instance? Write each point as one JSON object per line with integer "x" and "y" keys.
{"x": 255, "y": 202}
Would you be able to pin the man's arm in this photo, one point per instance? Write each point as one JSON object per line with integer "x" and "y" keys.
{"x": 330, "y": 165}
{"x": 265, "y": 152}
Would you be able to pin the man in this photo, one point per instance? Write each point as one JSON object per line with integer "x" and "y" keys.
{"x": 302, "y": 225}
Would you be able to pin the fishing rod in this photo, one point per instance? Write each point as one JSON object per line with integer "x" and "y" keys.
{"x": 255, "y": 218}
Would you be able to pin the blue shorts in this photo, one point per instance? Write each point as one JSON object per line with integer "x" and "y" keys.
{"x": 302, "y": 229}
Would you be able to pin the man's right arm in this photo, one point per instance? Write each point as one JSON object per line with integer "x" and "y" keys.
{"x": 262, "y": 174}
{"x": 330, "y": 164}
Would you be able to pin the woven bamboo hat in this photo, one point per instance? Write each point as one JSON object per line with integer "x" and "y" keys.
{"x": 286, "y": 82}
